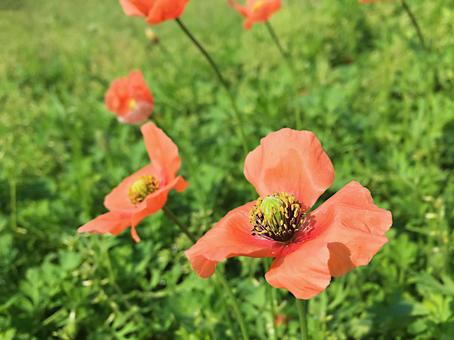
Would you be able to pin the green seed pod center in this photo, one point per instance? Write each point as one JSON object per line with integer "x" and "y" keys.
{"x": 278, "y": 216}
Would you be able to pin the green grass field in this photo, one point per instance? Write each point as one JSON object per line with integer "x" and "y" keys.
{"x": 382, "y": 107}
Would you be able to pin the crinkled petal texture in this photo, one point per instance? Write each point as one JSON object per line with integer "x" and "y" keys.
{"x": 230, "y": 237}
{"x": 290, "y": 161}
{"x": 256, "y": 10}
{"x": 155, "y": 11}
{"x": 165, "y": 163}
{"x": 348, "y": 230}
{"x": 130, "y": 98}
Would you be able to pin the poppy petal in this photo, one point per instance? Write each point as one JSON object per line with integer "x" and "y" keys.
{"x": 181, "y": 184}
{"x": 110, "y": 223}
{"x": 240, "y": 9}
{"x": 133, "y": 8}
{"x": 352, "y": 227}
{"x": 290, "y": 161}
{"x": 304, "y": 272}
{"x": 230, "y": 237}
{"x": 162, "y": 150}
{"x": 164, "y": 10}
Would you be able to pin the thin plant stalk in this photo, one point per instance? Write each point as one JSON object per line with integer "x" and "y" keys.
{"x": 276, "y": 40}
{"x": 171, "y": 216}
{"x": 414, "y": 22}
{"x": 302, "y": 307}
{"x": 13, "y": 203}
{"x": 271, "y": 300}
{"x": 222, "y": 81}
{"x": 288, "y": 60}
{"x": 223, "y": 282}
{"x": 235, "y": 306}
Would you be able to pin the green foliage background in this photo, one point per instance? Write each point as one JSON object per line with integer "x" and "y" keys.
{"x": 382, "y": 107}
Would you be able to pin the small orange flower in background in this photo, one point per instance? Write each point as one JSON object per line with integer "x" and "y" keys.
{"x": 154, "y": 11}
{"x": 143, "y": 193}
{"x": 130, "y": 98}
{"x": 290, "y": 170}
{"x": 256, "y": 10}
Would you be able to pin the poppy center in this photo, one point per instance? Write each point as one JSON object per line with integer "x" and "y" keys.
{"x": 141, "y": 188}
{"x": 258, "y": 5}
{"x": 132, "y": 104}
{"x": 278, "y": 216}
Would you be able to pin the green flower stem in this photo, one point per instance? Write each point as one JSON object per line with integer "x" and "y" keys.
{"x": 271, "y": 298}
{"x": 223, "y": 282}
{"x": 414, "y": 22}
{"x": 222, "y": 81}
{"x": 278, "y": 43}
{"x": 13, "y": 203}
{"x": 288, "y": 60}
{"x": 171, "y": 216}
{"x": 235, "y": 306}
{"x": 302, "y": 307}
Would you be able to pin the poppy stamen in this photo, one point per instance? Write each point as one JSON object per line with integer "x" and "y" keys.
{"x": 278, "y": 216}
{"x": 141, "y": 188}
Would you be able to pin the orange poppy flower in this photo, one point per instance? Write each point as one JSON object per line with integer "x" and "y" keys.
{"x": 256, "y": 10}
{"x": 154, "y": 11}
{"x": 290, "y": 170}
{"x": 143, "y": 193}
{"x": 130, "y": 99}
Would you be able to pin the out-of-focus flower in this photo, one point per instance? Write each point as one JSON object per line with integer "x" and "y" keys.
{"x": 290, "y": 170}
{"x": 256, "y": 10}
{"x": 144, "y": 192}
{"x": 130, "y": 98}
{"x": 280, "y": 319}
{"x": 151, "y": 36}
{"x": 154, "y": 11}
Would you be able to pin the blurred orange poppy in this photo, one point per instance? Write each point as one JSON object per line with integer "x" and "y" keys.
{"x": 144, "y": 192}
{"x": 290, "y": 170}
{"x": 130, "y": 98}
{"x": 256, "y": 10}
{"x": 154, "y": 11}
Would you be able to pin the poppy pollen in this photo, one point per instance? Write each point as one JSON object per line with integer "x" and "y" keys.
{"x": 278, "y": 216}
{"x": 141, "y": 188}
{"x": 132, "y": 104}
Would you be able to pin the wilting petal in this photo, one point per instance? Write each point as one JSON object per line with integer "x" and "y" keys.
{"x": 352, "y": 227}
{"x": 304, "y": 272}
{"x": 230, "y": 237}
{"x": 162, "y": 150}
{"x": 110, "y": 223}
{"x": 290, "y": 161}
